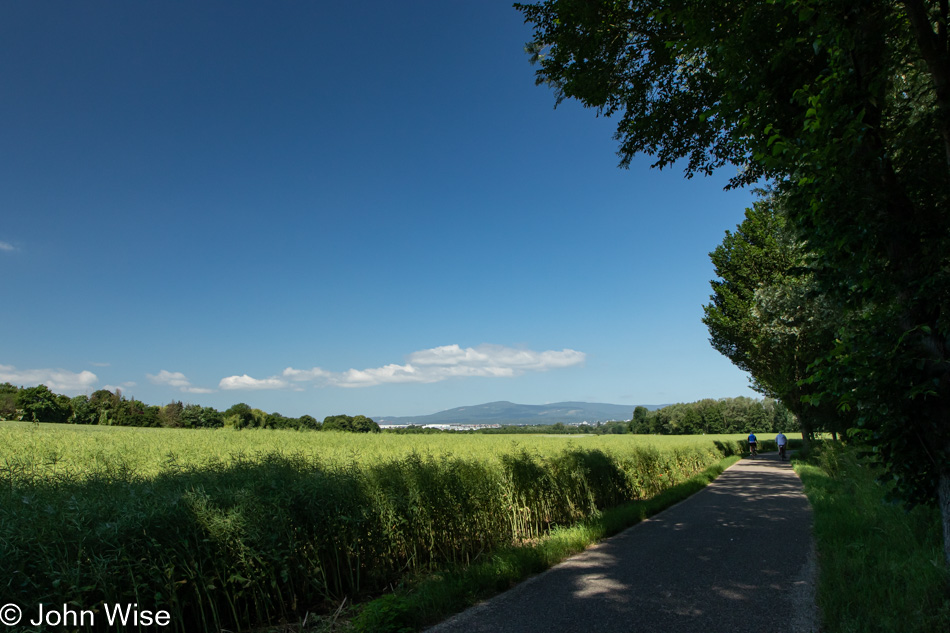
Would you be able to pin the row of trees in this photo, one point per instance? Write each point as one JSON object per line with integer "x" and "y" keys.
{"x": 104, "y": 407}
{"x": 835, "y": 292}
{"x": 727, "y": 415}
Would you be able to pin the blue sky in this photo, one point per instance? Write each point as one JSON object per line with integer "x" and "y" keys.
{"x": 322, "y": 208}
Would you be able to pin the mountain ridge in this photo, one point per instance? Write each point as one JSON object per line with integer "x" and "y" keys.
{"x": 505, "y": 412}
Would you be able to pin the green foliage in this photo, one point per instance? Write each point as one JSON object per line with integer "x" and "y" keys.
{"x": 106, "y": 408}
{"x": 195, "y": 416}
{"x": 456, "y": 587}
{"x": 358, "y": 424}
{"x": 256, "y": 536}
{"x": 881, "y": 564}
{"x": 8, "y": 396}
{"x": 105, "y": 404}
{"x": 136, "y": 413}
{"x": 844, "y": 109}
{"x": 83, "y": 411}
{"x": 639, "y": 420}
{"x": 170, "y": 415}
{"x": 767, "y": 314}
{"x": 727, "y": 415}
{"x": 40, "y": 404}
{"x": 309, "y": 422}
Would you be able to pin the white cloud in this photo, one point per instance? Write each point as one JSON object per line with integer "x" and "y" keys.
{"x": 60, "y": 380}
{"x": 299, "y": 375}
{"x": 489, "y": 358}
{"x": 440, "y": 363}
{"x": 170, "y": 378}
{"x": 6, "y": 246}
{"x": 246, "y": 382}
{"x": 119, "y": 388}
{"x": 177, "y": 380}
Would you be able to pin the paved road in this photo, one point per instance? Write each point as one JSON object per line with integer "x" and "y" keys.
{"x": 735, "y": 557}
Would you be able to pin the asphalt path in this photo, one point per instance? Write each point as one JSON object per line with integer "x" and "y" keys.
{"x": 736, "y": 556}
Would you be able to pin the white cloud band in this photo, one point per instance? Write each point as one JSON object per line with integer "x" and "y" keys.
{"x": 177, "y": 380}
{"x": 246, "y": 382}
{"x": 59, "y": 380}
{"x": 426, "y": 366}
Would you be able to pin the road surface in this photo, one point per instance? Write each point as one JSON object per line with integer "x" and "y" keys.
{"x": 736, "y": 556}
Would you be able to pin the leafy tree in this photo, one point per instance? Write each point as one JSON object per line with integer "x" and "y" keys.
{"x": 710, "y": 415}
{"x": 239, "y": 416}
{"x": 309, "y": 422}
{"x": 766, "y": 315}
{"x": 171, "y": 414}
{"x": 191, "y": 416}
{"x": 358, "y": 424}
{"x": 782, "y": 419}
{"x": 131, "y": 412}
{"x": 8, "y": 394}
{"x": 211, "y": 418}
{"x": 83, "y": 411}
{"x": 258, "y": 418}
{"x": 363, "y": 424}
{"x": 194, "y": 416}
{"x": 278, "y": 421}
{"x": 336, "y": 423}
{"x": 39, "y": 404}
{"x": 845, "y": 108}
{"x": 106, "y": 405}
{"x": 639, "y": 423}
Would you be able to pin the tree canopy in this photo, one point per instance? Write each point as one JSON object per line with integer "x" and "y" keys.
{"x": 843, "y": 110}
{"x": 357, "y": 424}
{"x": 104, "y": 407}
{"x": 768, "y": 316}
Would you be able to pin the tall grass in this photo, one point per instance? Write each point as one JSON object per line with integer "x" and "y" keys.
{"x": 881, "y": 563}
{"x": 437, "y": 596}
{"x": 225, "y": 533}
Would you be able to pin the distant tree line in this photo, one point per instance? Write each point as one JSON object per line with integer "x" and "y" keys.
{"x": 104, "y": 407}
{"x": 709, "y": 416}
{"x": 726, "y": 415}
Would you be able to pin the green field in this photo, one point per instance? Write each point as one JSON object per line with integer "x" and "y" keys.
{"x": 232, "y": 529}
{"x": 80, "y": 451}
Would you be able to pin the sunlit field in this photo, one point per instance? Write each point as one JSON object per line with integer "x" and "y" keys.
{"x": 51, "y": 450}
{"x": 232, "y": 529}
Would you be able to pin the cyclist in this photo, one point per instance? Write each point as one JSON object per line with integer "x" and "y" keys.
{"x": 782, "y": 442}
{"x": 753, "y": 445}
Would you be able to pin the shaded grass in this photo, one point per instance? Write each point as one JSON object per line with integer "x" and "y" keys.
{"x": 881, "y": 563}
{"x": 436, "y": 596}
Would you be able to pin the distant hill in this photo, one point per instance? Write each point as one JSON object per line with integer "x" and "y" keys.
{"x": 510, "y": 413}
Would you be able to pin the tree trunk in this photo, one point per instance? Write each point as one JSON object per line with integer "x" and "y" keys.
{"x": 932, "y": 45}
{"x": 807, "y": 433}
{"x": 943, "y": 498}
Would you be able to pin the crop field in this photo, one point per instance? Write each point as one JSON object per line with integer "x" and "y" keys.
{"x": 232, "y": 529}
{"x": 49, "y": 451}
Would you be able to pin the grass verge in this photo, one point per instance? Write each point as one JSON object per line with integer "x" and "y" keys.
{"x": 439, "y": 595}
{"x": 881, "y": 564}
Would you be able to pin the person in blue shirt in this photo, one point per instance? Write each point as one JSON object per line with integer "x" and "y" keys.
{"x": 753, "y": 444}
{"x": 782, "y": 442}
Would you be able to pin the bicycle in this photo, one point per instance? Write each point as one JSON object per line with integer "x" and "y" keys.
{"x": 781, "y": 452}
{"x": 753, "y": 450}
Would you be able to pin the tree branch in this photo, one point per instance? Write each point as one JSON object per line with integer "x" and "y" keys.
{"x": 934, "y": 52}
